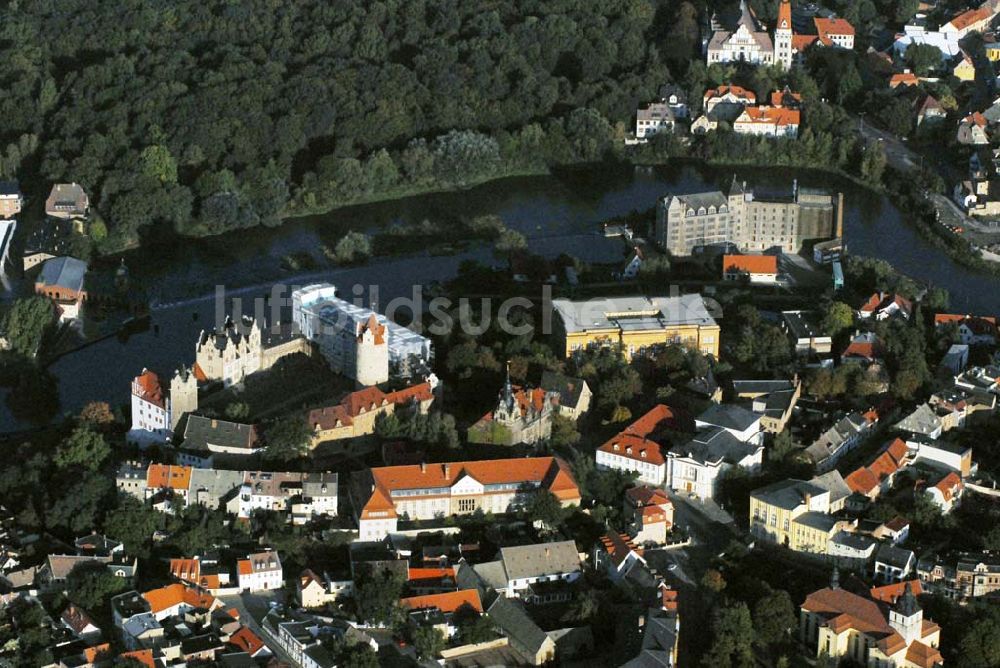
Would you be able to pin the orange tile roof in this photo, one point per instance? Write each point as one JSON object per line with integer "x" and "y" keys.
{"x": 374, "y": 326}
{"x": 149, "y": 388}
{"x": 752, "y": 264}
{"x": 848, "y": 610}
{"x": 618, "y": 546}
{"x": 884, "y": 466}
{"x": 772, "y": 115}
{"x": 976, "y": 324}
{"x": 644, "y": 495}
{"x": 168, "y": 476}
{"x": 828, "y": 27}
{"x": 897, "y": 450}
{"x": 632, "y": 442}
{"x": 738, "y": 91}
{"x": 862, "y": 481}
{"x": 889, "y": 593}
{"x": 903, "y": 79}
{"x": 354, "y": 404}
{"x": 948, "y": 486}
{"x": 447, "y": 602}
{"x": 246, "y": 640}
{"x": 199, "y": 373}
{"x": 143, "y": 656}
{"x": 925, "y": 656}
{"x": 970, "y": 17}
{"x": 780, "y": 97}
{"x": 668, "y": 598}
{"x": 976, "y": 118}
{"x": 417, "y": 574}
{"x": 802, "y": 42}
{"x": 92, "y": 654}
{"x": 175, "y": 594}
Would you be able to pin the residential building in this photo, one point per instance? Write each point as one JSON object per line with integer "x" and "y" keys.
{"x": 972, "y": 130}
{"x": 768, "y": 122}
{"x": 532, "y": 570}
{"x": 694, "y": 467}
{"x": 177, "y": 599}
{"x": 381, "y": 496}
{"x": 964, "y": 69}
{"x": 524, "y": 636}
{"x": 439, "y": 610}
{"x": 834, "y": 32}
{"x": 804, "y": 330}
{"x": 574, "y": 394}
{"x": 11, "y": 199}
{"x": 843, "y": 625}
{"x": 750, "y": 268}
{"x": 972, "y": 330}
{"x": 314, "y": 591}
{"x": 841, "y": 438}
{"x": 870, "y": 481}
{"x": 663, "y": 114}
{"x": 67, "y": 200}
{"x": 929, "y": 111}
{"x": 727, "y": 102}
{"x": 881, "y": 306}
{"x": 865, "y": 349}
{"x": 205, "y": 436}
{"x": 650, "y": 514}
{"x": 63, "y": 280}
{"x": 972, "y": 576}
{"x": 305, "y": 495}
{"x": 660, "y": 632}
{"x": 618, "y": 555}
{"x": 798, "y": 515}
{"x": 356, "y": 413}
{"x": 636, "y": 324}
{"x": 685, "y": 222}
{"x": 356, "y": 341}
{"x": 521, "y": 415}
{"x": 774, "y": 403}
{"x": 156, "y": 410}
{"x": 848, "y": 549}
{"x": 260, "y": 572}
{"x": 743, "y": 424}
{"x": 972, "y": 20}
{"x": 942, "y": 454}
{"x": 894, "y": 564}
{"x": 947, "y": 492}
{"x": 923, "y": 420}
{"x": 204, "y": 573}
{"x": 955, "y": 359}
{"x": 634, "y": 448}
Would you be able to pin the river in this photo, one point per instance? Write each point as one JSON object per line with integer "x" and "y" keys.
{"x": 558, "y": 213}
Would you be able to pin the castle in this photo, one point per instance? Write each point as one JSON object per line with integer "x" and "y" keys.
{"x": 157, "y": 411}
{"x": 684, "y": 222}
{"x": 521, "y": 416}
{"x": 356, "y": 341}
{"x": 232, "y": 353}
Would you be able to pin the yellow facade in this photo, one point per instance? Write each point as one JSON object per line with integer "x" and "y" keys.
{"x": 993, "y": 52}
{"x": 704, "y": 338}
{"x": 779, "y": 526}
{"x": 965, "y": 70}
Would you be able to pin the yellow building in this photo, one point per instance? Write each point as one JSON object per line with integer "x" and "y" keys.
{"x": 992, "y": 51}
{"x": 843, "y": 625}
{"x": 637, "y": 324}
{"x": 964, "y": 69}
{"x": 795, "y": 514}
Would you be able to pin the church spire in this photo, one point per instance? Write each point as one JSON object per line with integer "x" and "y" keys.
{"x": 508, "y": 389}
{"x": 908, "y": 605}
{"x": 785, "y": 15}
{"x": 835, "y": 578}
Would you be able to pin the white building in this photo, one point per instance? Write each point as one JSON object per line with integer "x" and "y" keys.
{"x": 356, "y": 341}
{"x": 744, "y": 425}
{"x": 695, "y": 466}
{"x": 157, "y": 410}
{"x": 307, "y": 495}
{"x": 527, "y": 565}
{"x": 768, "y": 122}
{"x": 260, "y": 572}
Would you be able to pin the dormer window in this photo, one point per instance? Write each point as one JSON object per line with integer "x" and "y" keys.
{"x": 616, "y": 447}
{"x": 628, "y": 451}
{"x": 642, "y": 454}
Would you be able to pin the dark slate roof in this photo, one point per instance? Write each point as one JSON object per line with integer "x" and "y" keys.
{"x": 713, "y": 444}
{"x": 728, "y": 416}
{"x": 9, "y": 188}
{"x": 202, "y": 431}
{"x": 516, "y": 624}
{"x": 569, "y": 389}
{"x": 892, "y": 555}
{"x": 761, "y": 386}
{"x": 787, "y": 494}
{"x": 64, "y": 272}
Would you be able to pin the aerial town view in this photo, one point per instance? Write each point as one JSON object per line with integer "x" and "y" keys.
{"x": 629, "y": 333}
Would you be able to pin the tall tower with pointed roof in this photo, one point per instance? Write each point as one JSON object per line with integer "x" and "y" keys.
{"x": 783, "y": 35}
{"x": 907, "y": 617}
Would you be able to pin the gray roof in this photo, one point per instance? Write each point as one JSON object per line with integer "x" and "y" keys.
{"x": 215, "y": 483}
{"x": 516, "y": 624}
{"x": 568, "y": 388}
{"x": 714, "y": 444}
{"x": 775, "y": 403}
{"x": 817, "y": 520}
{"x": 491, "y": 574}
{"x": 63, "y": 272}
{"x": 787, "y": 494}
{"x": 802, "y": 324}
{"x": 632, "y": 313}
{"x": 658, "y": 639}
{"x": 529, "y": 561}
{"x": 923, "y": 420}
{"x": 745, "y": 387}
{"x": 729, "y": 416}
{"x": 894, "y": 556}
{"x": 855, "y": 541}
{"x": 703, "y": 200}
{"x": 834, "y": 483}
{"x": 203, "y": 433}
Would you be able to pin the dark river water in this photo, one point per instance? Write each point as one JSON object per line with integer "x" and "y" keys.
{"x": 558, "y": 213}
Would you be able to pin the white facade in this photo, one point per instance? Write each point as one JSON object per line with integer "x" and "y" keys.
{"x": 689, "y": 474}
{"x": 652, "y": 472}
{"x": 260, "y": 572}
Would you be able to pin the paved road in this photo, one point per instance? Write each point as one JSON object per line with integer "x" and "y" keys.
{"x": 252, "y": 609}
{"x": 897, "y": 153}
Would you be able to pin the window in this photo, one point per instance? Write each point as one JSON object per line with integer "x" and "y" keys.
{"x": 466, "y": 505}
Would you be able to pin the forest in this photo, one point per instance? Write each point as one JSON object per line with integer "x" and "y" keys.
{"x": 211, "y": 115}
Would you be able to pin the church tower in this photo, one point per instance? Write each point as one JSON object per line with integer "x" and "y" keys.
{"x": 783, "y": 35}
{"x": 906, "y": 617}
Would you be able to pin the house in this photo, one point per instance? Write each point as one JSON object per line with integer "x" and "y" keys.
{"x": 804, "y": 330}
{"x": 694, "y": 467}
{"x": 946, "y": 493}
{"x": 539, "y": 573}
{"x": 972, "y": 130}
{"x": 356, "y": 413}
{"x": 439, "y": 610}
{"x": 972, "y": 20}
{"x": 748, "y": 40}
{"x": 834, "y": 32}
{"x": 870, "y": 481}
{"x": 750, "y": 268}
{"x": 843, "y": 625}
{"x": 314, "y": 591}
{"x": 204, "y": 436}
{"x": 11, "y": 199}
{"x": 894, "y": 564}
{"x": 964, "y": 69}
{"x": 929, "y": 111}
{"x": 521, "y": 415}
{"x": 841, "y": 438}
{"x": 67, "y": 200}
{"x": 618, "y": 554}
{"x": 663, "y": 114}
{"x": 660, "y": 629}
{"x": 574, "y": 394}
{"x": 727, "y": 102}
{"x": 972, "y": 330}
{"x": 651, "y": 514}
{"x": 881, "y": 306}
{"x": 827, "y": 252}
{"x": 773, "y": 400}
{"x": 178, "y": 599}
{"x": 62, "y": 279}
{"x": 795, "y": 514}
{"x": 849, "y": 549}
{"x": 633, "y": 266}
{"x": 157, "y": 410}
{"x": 381, "y": 496}
{"x": 535, "y": 646}
{"x": 896, "y": 530}
{"x": 768, "y": 122}
{"x": 903, "y": 79}
{"x": 305, "y": 495}
{"x": 955, "y": 359}
{"x": 250, "y": 643}
{"x": 260, "y": 571}
{"x": 923, "y": 420}
{"x": 942, "y": 454}
{"x": 634, "y": 448}
{"x": 80, "y": 624}
{"x": 204, "y": 573}
{"x": 865, "y": 349}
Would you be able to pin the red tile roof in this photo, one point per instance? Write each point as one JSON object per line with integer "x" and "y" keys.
{"x": 751, "y": 264}
{"x": 143, "y": 656}
{"x": 889, "y": 593}
{"x": 848, "y": 611}
{"x": 826, "y": 28}
{"x": 980, "y": 325}
{"x": 970, "y": 17}
{"x": 167, "y": 597}
{"x": 949, "y": 486}
{"x": 633, "y": 443}
{"x": 780, "y": 98}
{"x": 802, "y": 42}
{"x": 147, "y": 387}
{"x": 903, "y": 79}
{"x": 447, "y": 602}
{"x": 925, "y": 656}
{"x": 772, "y": 115}
{"x": 168, "y": 476}
{"x": 619, "y": 546}
{"x": 646, "y": 496}
{"x": 370, "y": 398}
{"x": 862, "y": 481}
{"x": 738, "y": 91}
{"x": 247, "y": 641}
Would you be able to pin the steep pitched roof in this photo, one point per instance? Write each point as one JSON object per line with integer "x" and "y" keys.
{"x": 752, "y": 264}
{"x": 827, "y": 28}
{"x": 168, "y": 476}
{"x": 526, "y": 561}
{"x": 175, "y": 594}
{"x": 149, "y": 388}
{"x": 889, "y": 593}
{"x": 846, "y": 610}
{"x": 246, "y": 640}
{"x": 447, "y": 602}
{"x": 619, "y": 546}
{"x": 778, "y": 116}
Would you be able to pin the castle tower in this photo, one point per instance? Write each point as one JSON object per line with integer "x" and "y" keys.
{"x": 737, "y": 211}
{"x": 783, "y": 35}
{"x": 183, "y": 396}
{"x": 906, "y": 617}
{"x": 371, "y": 353}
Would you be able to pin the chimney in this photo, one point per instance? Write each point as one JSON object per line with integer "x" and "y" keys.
{"x": 215, "y": 423}
{"x": 423, "y": 467}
